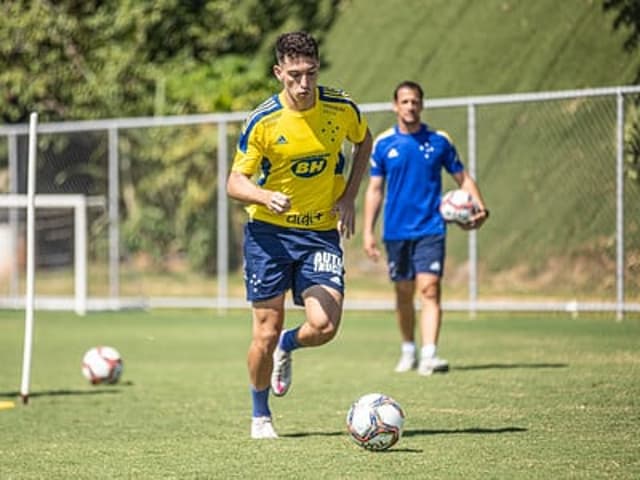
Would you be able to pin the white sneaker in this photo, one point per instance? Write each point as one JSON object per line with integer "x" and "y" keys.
{"x": 261, "y": 428}
{"x": 429, "y": 366}
{"x": 407, "y": 362}
{"x": 281, "y": 373}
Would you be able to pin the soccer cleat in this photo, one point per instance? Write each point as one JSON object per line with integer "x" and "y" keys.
{"x": 407, "y": 362}
{"x": 281, "y": 373}
{"x": 429, "y": 366}
{"x": 262, "y": 428}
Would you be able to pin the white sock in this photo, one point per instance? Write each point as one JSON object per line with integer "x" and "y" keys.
{"x": 408, "y": 347}
{"x": 428, "y": 351}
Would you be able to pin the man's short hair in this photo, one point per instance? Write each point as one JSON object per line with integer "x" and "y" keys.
{"x": 408, "y": 84}
{"x": 296, "y": 44}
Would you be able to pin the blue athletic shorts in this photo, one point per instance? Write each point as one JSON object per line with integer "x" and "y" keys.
{"x": 407, "y": 257}
{"x": 277, "y": 259}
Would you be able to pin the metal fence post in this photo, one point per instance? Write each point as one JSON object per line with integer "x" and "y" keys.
{"x": 223, "y": 218}
{"x": 473, "y": 237}
{"x": 619, "y": 205}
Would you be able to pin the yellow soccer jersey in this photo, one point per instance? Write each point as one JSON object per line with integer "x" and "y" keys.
{"x": 299, "y": 154}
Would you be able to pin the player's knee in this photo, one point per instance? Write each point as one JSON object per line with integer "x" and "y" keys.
{"x": 329, "y": 331}
{"x": 323, "y": 332}
{"x": 266, "y": 338}
{"x": 430, "y": 292}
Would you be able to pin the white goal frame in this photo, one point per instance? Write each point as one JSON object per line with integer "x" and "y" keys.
{"x": 79, "y": 204}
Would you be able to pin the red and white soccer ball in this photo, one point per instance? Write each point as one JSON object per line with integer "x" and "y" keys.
{"x": 375, "y": 421}
{"x": 102, "y": 365}
{"x": 457, "y": 206}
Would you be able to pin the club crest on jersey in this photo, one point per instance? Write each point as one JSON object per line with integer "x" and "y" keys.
{"x": 309, "y": 166}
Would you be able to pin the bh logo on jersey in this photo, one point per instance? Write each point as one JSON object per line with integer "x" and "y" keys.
{"x": 309, "y": 166}
{"x": 327, "y": 262}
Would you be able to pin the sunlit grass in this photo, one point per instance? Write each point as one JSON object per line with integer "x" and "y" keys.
{"x": 528, "y": 396}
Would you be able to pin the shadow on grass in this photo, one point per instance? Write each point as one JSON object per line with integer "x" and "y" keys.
{"x": 507, "y": 366}
{"x": 97, "y": 390}
{"x": 464, "y": 431}
{"x": 312, "y": 434}
{"x": 413, "y": 433}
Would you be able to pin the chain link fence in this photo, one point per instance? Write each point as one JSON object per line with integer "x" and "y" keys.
{"x": 557, "y": 170}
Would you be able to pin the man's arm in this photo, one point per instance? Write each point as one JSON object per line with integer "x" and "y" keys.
{"x": 372, "y": 203}
{"x": 465, "y": 182}
{"x": 345, "y": 205}
{"x": 240, "y": 187}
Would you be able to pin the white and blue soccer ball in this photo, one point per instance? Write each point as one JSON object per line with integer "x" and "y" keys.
{"x": 102, "y": 365}
{"x": 457, "y": 206}
{"x": 375, "y": 421}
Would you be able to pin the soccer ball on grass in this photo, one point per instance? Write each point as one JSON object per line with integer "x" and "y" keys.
{"x": 375, "y": 421}
{"x": 102, "y": 365}
{"x": 458, "y": 206}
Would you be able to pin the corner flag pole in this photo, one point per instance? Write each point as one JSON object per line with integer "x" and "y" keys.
{"x": 30, "y": 295}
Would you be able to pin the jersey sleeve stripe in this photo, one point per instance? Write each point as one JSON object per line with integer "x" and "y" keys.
{"x": 265, "y": 108}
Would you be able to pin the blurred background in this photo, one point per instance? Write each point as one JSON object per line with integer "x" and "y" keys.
{"x": 140, "y": 104}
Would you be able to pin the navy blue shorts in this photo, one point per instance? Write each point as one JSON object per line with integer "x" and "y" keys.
{"x": 277, "y": 259}
{"x": 408, "y": 257}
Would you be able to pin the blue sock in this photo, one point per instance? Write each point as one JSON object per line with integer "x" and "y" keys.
{"x": 288, "y": 342}
{"x": 260, "y": 401}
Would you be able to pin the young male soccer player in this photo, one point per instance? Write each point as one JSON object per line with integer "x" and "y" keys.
{"x": 409, "y": 159}
{"x": 298, "y": 207}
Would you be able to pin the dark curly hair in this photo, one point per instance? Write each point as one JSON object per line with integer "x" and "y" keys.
{"x": 296, "y": 44}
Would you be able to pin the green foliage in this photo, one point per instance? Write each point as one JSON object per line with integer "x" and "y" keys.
{"x": 628, "y": 17}
{"x": 632, "y": 143}
{"x": 527, "y": 397}
{"x": 60, "y": 60}
{"x": 74, "y": 60}
{"x": 94, "y": 59}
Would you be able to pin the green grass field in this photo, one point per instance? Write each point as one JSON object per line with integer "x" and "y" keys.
{"x": 528, "y": 396}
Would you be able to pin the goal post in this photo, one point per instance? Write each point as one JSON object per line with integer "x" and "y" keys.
{"x": 79, "y": 204}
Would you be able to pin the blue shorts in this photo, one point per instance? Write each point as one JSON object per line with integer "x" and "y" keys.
{"x": 277, "y": 259}
{"x": 406, "y": 258}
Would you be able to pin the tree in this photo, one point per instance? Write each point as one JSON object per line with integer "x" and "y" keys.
{"x": 628, "y": 15}
{"x": 88, "y": 59}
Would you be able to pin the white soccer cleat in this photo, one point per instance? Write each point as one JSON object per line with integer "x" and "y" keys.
{"x": 429, "y": 366}
{"x": 281, "y": 373}
{"x": 407, "y": 362}
{"x": 262, "y": 428}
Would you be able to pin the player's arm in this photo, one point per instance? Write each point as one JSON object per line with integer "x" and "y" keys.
{"x": 346, "y": 204}
{"x": 465, "y": 182}
{"x": 240, "y": 187}
{"x": 372, "y": 203}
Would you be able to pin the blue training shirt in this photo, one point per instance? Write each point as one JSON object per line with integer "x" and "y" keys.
{"x": 411, "y": 165}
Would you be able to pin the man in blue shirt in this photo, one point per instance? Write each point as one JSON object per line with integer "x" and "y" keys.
{"x": 407, "y": 161}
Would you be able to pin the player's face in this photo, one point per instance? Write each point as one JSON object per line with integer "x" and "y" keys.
{"x": 299, "y": 77}
{"x": 408, "y": 107}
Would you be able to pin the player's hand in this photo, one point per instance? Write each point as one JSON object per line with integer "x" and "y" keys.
{"x": 371, "y": 248}
{"x": 346, "y": 211}
{"x": 476, "y": 221}
{"x": 278, "y": 202}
